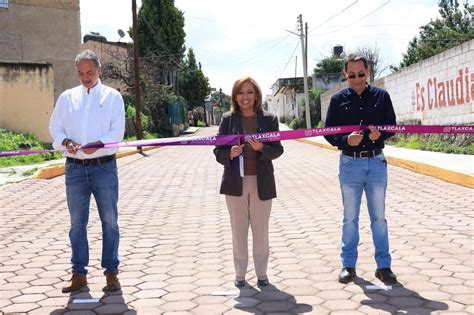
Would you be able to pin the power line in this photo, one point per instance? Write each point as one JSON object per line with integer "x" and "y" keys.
{"x": 371, "y": 12}
{"x": 258, "y": 53}
{"x": 259, "y": 25}
{"x": 378, "y": 25}
{"x": 397, "y": 39}
{"x": 289, "y": 59}
{"x": 172, "y": 58}
{"x": 334, "y": 16}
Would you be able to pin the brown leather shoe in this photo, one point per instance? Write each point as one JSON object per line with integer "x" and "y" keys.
{"x": 112, "y": 282}
{"x": 77, "y": 281}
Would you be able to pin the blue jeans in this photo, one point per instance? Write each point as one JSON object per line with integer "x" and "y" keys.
{"x": 102, "y": 181}
{"x": 355, "y": 176}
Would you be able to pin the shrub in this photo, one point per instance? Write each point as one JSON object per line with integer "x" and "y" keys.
{"x": 145, "y": 120}
{"x": 295, "y": 124}
{"x": 10, "y": 141}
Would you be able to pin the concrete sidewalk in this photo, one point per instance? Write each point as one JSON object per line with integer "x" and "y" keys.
{"x": 50, "y": 169}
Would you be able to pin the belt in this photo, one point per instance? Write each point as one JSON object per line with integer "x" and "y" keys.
{"x": 88, "y": 162}
{"x": 363, "y": 154}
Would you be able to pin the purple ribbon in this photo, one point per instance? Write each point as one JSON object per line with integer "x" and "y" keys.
{"x": 264, "y": 137}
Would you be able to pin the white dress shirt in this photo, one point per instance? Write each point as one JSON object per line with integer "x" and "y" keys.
{"x": 88, "y": 117}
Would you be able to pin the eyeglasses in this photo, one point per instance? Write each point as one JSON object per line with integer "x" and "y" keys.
{"x": 360, "y": 75}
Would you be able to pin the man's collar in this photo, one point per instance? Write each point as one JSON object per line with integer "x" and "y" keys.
{"x": 92, "y": 90}
{"x": 368, "y": 87}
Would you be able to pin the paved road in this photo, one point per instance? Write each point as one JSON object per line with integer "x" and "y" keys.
{"x": 176, "y": 245}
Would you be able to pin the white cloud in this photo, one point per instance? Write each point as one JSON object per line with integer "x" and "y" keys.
{"x": 106, "y": 17}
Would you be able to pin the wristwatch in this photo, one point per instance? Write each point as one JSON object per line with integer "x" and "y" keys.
{"x": 65, "y": 141}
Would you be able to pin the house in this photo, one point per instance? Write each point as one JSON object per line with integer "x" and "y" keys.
{"x": 42, "y": 31}
{"x": 326, "y": 81}
{"x": 38, "y": 43}
{"x": 287, "y": 96}
{"x": 111, "y": 54}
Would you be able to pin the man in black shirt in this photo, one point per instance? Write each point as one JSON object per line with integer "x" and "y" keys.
{"x": 362, "y": 165}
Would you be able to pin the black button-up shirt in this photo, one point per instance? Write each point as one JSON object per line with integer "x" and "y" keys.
{"x": 372, "y": 107}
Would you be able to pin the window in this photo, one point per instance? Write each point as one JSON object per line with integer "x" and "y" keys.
{"x": 4, "y": 4}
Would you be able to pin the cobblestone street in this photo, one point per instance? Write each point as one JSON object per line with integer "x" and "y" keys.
{"x": 176, "y": 247}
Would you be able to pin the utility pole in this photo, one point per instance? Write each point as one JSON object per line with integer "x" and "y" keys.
{"x": 138, "y": 124}
{"x": 304, "y": 51}
{"x": 296, "y": 65}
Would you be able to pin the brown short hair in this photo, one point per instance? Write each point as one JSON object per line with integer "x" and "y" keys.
{"x": 236, "y": 88}
{"x": 354, "y": 57}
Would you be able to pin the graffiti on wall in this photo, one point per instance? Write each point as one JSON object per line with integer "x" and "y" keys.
{"x": 458, "y": 90}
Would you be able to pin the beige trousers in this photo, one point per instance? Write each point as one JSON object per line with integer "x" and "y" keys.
{"x": 244, "y": 210}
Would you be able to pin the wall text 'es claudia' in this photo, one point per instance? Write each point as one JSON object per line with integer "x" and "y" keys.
{"x": 456, "y": 91}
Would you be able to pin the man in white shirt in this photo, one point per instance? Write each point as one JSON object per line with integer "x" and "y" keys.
{"x": 90, "y": 115}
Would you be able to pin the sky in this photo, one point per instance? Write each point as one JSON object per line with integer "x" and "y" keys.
{"x": 256, "y": 38}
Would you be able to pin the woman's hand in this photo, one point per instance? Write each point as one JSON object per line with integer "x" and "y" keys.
{"x": 255, "y": 144}
{"x": 235, "y": 151}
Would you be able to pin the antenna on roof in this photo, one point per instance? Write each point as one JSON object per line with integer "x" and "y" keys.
{"x": 121, "y": 34}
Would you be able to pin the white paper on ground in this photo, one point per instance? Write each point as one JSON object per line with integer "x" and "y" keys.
{"x": 85, "y": 301}
{"x": 379, "y": 287}
{"x": 224, "y": 293}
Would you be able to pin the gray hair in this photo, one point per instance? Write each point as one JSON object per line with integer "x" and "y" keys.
{"x": 354, "y": 57}
{"x": 87, "y": 55}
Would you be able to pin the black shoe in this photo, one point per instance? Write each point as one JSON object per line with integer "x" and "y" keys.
{"x": 386, "y": 275}
{"x": 347, "y": 274}
{"x": 263, "y": 283}
{"x": 239, "y": 283}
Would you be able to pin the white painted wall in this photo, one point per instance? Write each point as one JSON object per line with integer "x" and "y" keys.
{"x": 435, "y": 91}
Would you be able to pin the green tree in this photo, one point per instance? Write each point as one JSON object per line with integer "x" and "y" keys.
{"x": 372, "y": 54}
{"x": 156, "y": 100}
{"x": 315, "y": 105}
{"x": 161, "y": 38}
{"x": 222, "y": 100}
{"x": 161, "y": 29}
{"x": 453, "y": 28}
{"x": 329, "y": 65}
{"x": 193, "y": 85}
{"x": 314, "y": 109}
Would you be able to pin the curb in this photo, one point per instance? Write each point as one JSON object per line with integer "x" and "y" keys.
{"x": 58, "y": 170}
{"x": 434, "y": 171}
{"x": 417, "y": 167}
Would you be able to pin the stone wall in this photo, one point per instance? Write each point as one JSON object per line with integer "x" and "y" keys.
{"x": 27, "y": 97}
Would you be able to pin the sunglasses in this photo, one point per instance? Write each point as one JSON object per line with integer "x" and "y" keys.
{"x": 360, "y": 75}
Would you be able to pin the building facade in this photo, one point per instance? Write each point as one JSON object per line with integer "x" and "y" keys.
{"x": 112, "y": 54}
{"x": 42, "y": 31}
{"x": 39, "y": 40}
{"x": 287, "y": 95}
